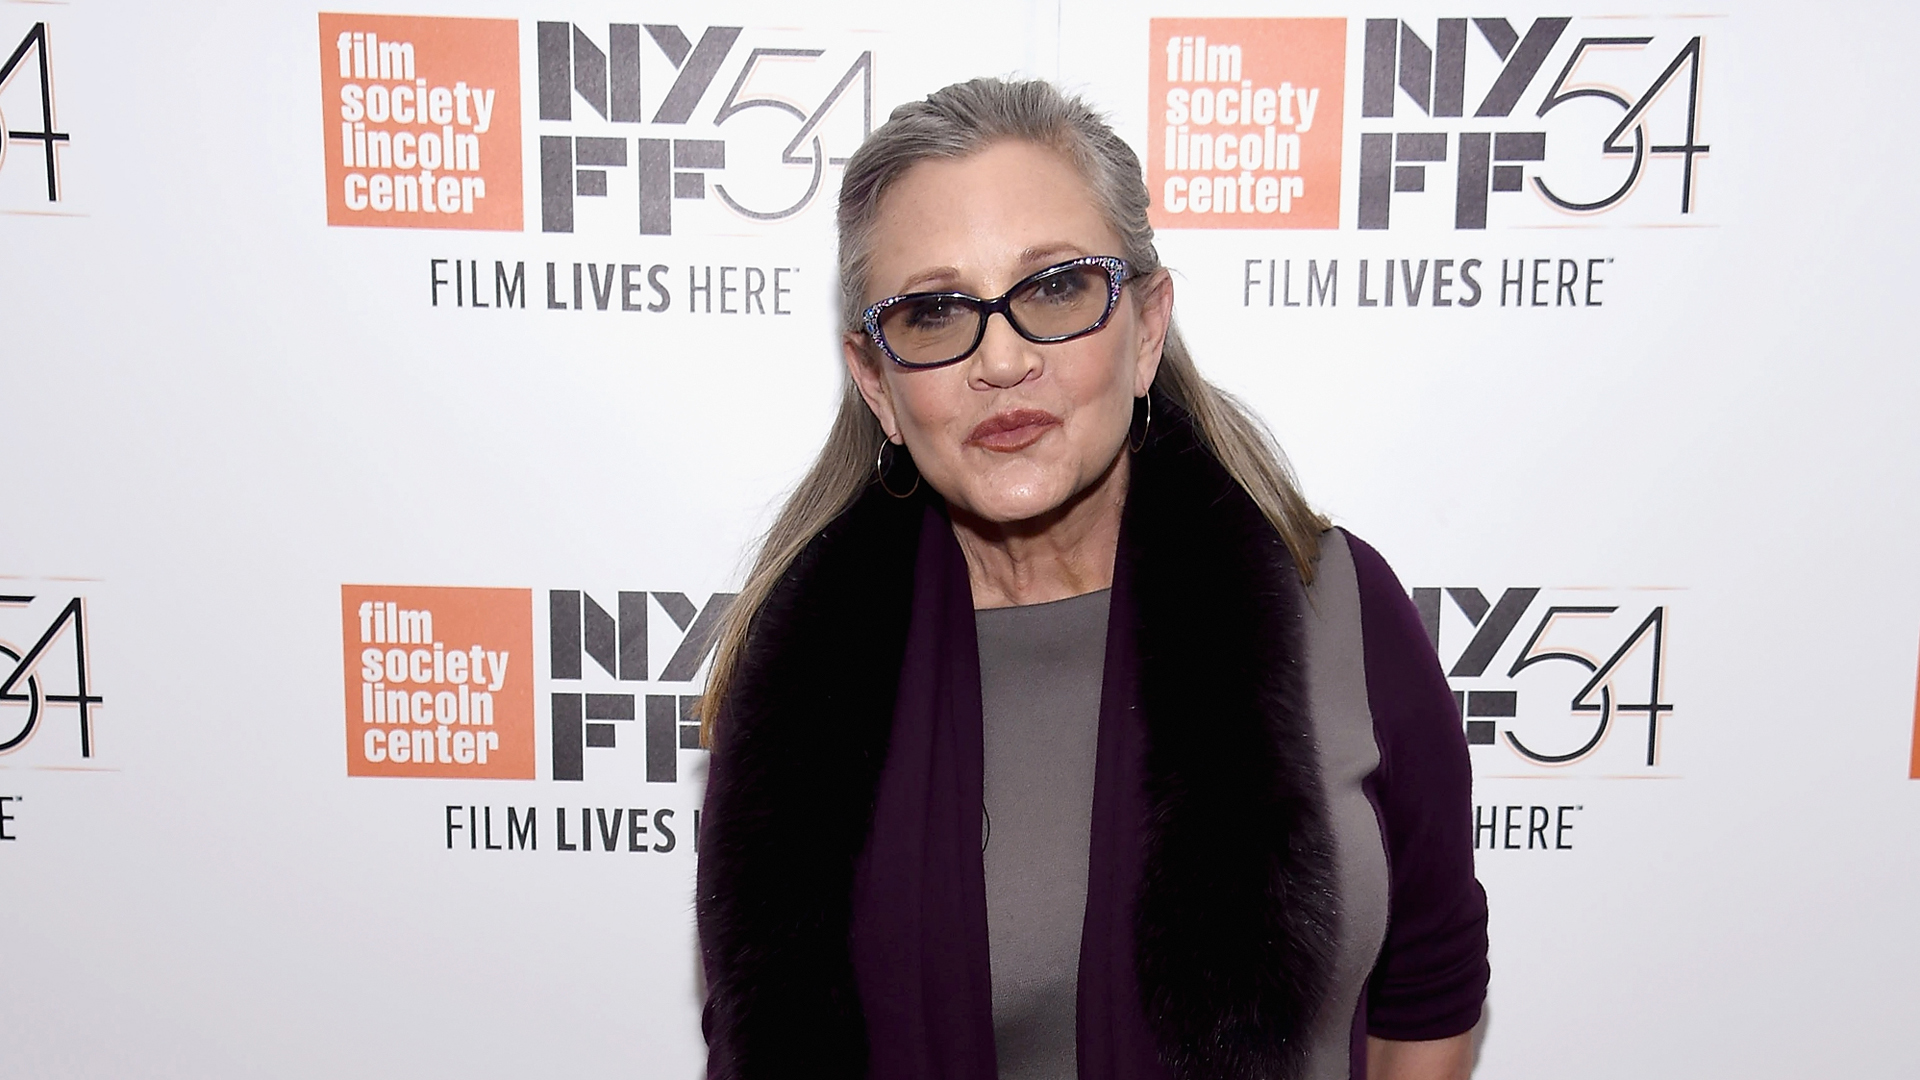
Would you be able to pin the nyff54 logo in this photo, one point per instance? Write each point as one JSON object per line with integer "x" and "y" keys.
{"x": 598, "y": 652}
{"x": 30, "y": 136}
{"x": 1565, "y": 679}
{"x": 1575, "y": 115}
{"x": 49, "y": 697}
{"x": 635, "y": 120}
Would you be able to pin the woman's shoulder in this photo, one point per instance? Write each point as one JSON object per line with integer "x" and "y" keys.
{"x": 1387, "y": 612}
{"x": 1370, "y": 568}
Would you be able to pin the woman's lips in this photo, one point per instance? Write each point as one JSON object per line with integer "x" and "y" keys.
{"x": 1015, "y": 429}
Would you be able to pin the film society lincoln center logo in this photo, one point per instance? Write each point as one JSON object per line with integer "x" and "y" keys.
{"x": 1249, "y": 114}
{"x": 422, "y": 121}
{"x": 439, "y": 681}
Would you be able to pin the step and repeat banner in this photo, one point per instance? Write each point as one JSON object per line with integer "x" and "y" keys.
{"x": 389, "y": 396}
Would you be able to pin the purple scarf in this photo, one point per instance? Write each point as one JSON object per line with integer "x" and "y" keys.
{"x": 919, "y": 895}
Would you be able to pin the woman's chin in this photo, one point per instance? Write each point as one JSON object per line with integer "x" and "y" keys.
{"x": 1004, "y": 506}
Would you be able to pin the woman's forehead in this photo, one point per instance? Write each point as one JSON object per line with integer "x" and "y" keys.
{"x": 984, "y": 220}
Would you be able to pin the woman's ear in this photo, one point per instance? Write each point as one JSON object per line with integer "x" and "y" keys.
{"x": 1155, "y": 318}
{"x": 865, "y": 372}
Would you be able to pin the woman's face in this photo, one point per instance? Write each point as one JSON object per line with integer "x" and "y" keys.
{"x": 1017, "y": 429}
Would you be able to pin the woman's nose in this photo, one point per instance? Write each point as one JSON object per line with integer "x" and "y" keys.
{"x": 1004, "y": 358}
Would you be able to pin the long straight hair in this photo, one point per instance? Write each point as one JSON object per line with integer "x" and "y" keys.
{"x": 956, "y": 122}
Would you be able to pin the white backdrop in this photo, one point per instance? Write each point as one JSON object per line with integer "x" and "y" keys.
{"x": 217, "y": 410}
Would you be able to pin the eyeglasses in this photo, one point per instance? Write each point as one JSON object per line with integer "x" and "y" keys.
{"x": 1060, "y": 303}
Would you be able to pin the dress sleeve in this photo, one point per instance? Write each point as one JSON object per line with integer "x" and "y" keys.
{"x": 1431, "y": 978}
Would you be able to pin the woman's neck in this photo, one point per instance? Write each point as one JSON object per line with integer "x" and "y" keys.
{"x": 1065, "y": 552}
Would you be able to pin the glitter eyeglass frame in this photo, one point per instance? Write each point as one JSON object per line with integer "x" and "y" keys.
{"x": 1118, "y": 274}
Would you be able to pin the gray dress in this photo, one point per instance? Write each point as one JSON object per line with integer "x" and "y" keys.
{"x": 1040, "y": 673}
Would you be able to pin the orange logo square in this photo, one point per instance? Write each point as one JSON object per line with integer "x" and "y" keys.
{"x": 421, "y": 121}
{"x": 439, "y": 681}
{"x": 1914, "y": 770}
{"x": 1244, "y": 119}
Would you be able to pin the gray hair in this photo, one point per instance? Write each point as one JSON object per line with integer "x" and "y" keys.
{"x": 956, "y": 122}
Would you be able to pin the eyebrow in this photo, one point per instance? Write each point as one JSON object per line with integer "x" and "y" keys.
{"x": 1031, "y": 259}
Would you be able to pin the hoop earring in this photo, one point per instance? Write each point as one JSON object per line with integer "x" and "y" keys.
{"x": 1134, "y": 444}
{"x": 880, "y": 465}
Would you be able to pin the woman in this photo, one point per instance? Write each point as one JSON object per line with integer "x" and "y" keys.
{"x": 1061, "y": 737}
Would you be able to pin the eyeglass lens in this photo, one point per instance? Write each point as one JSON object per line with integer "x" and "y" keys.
{"x": 937, "y": 328}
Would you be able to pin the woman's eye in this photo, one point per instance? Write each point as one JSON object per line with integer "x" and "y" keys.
{"x": 1060, "y": 288}
{"x": 929, "y": 314}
